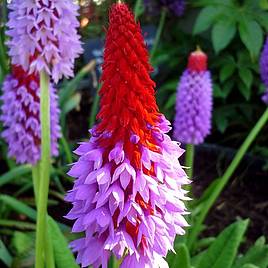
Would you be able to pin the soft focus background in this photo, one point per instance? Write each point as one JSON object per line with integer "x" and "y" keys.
{"x": 232, "y": 33}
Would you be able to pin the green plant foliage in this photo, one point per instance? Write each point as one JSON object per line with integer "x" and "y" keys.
{"x": 5, "y": 256}
{"x": 62, "y": 254}
{"x": 23, "y": 248}
{"x": 182, "y": 258}
{"x": 18, "y": 206}
{"x": 225, "y": 17}
{"x": 256, "y": 256}
{"x": 223, "y": 250}
{"x": 14, "y": 173}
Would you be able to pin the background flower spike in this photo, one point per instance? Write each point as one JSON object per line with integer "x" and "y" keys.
{"x": 43, "y": 36}
{"x": 21, "y": 116}
{"x": 194, "y": 101}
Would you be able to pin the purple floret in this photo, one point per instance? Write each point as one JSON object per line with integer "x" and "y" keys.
{"x": 43, "y": 36}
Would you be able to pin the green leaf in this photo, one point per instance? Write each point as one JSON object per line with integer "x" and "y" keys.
{"x": 70, "y": 104}
{"x": 182, "y": 258}
{"x": 257, "y": 255}
{"x": 171, "y": 101}
{"x": 222, "y": 34}
{"x": 217, "y": 92}
{"x": 22, "y": 225}
{"x": 244, "y": 90}
{"x": 249, "y": 265}
{"x": 222, "y": 252}
{"x": 252, "y": 36}
{"x": 169, "y": 85}
{"x": 63, "y": 256}
{"x": 262, "y": 19}
{"x": 14, "y": 173}
{"x": 204, "y": 243}
{"x": 22, "y": 242}
{"x": 226, "y": 71}
{"x": 246, "y": 76}
{"x": 71, "y": 86}
{"x": 5, "y": 256}
{"x": 23, "y": 245}
{"x": 221, "y": 122}
{"x": 18, "y": 206}
{"x": 264, "y": 4}
{"x": 205, "y": 19}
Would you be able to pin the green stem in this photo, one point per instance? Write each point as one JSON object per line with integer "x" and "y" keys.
{"x": 36, "y": 180}
{"x": 116, "y": 263}
{"x": 189, "y": 160}
{"x": 159, "y": 32}
{"x": 225, "y": 178}
{"x": 45, "y": 170}
{"x": 66, "y": 150}
{"x": 94, "y": 110}
{"x": 137, "y": 8}
{"x": 49, "y": 254}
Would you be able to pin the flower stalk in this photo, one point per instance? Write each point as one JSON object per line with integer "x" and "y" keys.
{"x": 189, "y": 160}
{"x": 159, "y": 32}
{"x": 45, "y": 169}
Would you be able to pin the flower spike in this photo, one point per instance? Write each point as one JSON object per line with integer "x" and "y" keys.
{"x": 43, "y": 36}
{"x": 194, "y": 101}
{"x": 127, "y": 196}
{"x": 21, "y": 116}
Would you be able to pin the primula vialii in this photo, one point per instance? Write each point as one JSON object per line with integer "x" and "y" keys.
{"x": 194, "y": 101}
{"x": 127, "y": 196}
{"x": 21, "y": 116}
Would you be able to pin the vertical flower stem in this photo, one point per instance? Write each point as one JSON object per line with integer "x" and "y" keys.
{"x": 225, "y": 178}
{"x": 36, "y": 179}
{"x": 137, "y": 8}
{"x": 45, "y": 170}
{"x": 116, "y": 263}
{"x": 159, "y": 32}
{"x": 94, "y": 109}
{"x": 189, "y": 160}
{"x": 49, "y": 254}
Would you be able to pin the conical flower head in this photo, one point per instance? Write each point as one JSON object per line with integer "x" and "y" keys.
{"x": 264, "y": 64}
{"x": 127, "y": 196}
{"x": 194, "y": 101}
{"x": 43, "y": 36}
{"x": 20, "y": 116}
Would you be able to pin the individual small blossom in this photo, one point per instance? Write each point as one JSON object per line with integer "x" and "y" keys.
{"x": 194, "y": 101}
{"x": 20, "y": 116}
{"x": 43, "y": 36}
{"x": 264, "y": 64}
{"x": 127, "y": 196}
{"x": 265, "y": 97}
{"x": 177, "y": 7}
